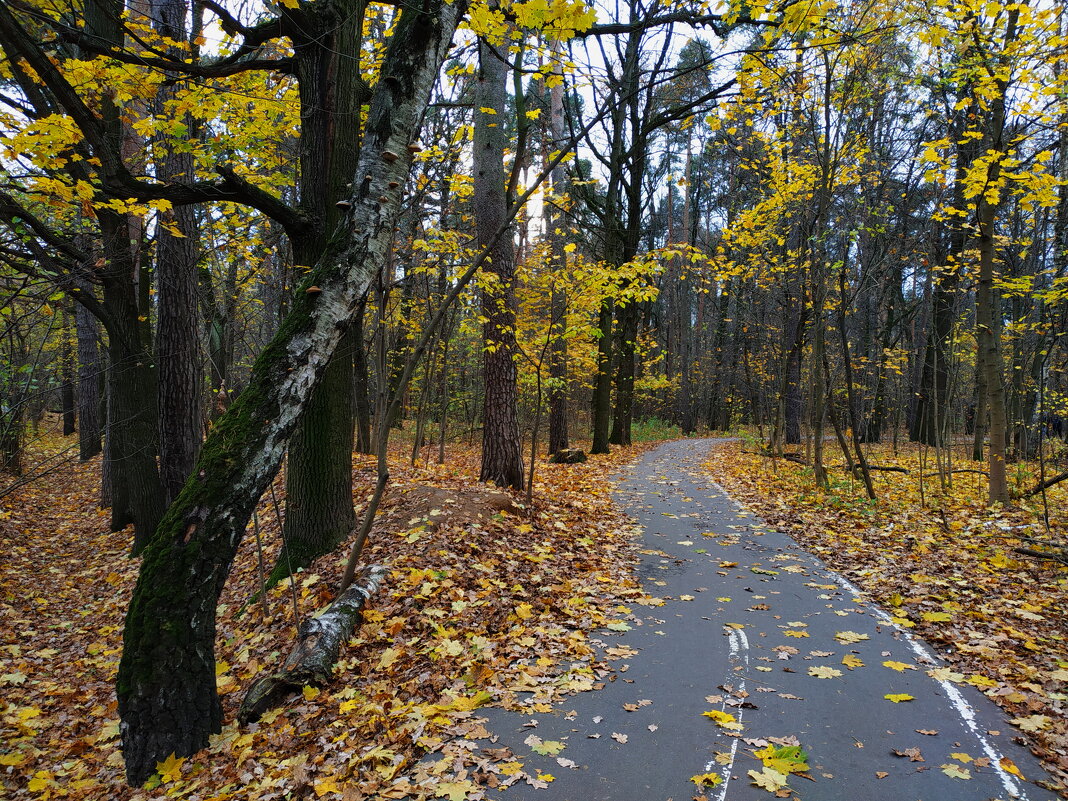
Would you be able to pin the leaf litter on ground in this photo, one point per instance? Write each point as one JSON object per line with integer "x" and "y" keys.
{"x": 482, "y": 605}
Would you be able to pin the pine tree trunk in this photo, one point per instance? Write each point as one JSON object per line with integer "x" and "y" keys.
{"x": 177, "y": 337}
{"x": 361, "y": 382}
{"x": 624, "y": 411}
{"x": 136, "y": 491}
{"x": 66, "y": 389}
{"x": 166, "y": 681}
{"x": 89, "y": 373}
{"x": 502, "y": 458}
{"x": 602, "y": 387}
{"x": 558, "y": 390}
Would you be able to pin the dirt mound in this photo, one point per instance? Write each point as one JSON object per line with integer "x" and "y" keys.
{"x": 445, "y": 506}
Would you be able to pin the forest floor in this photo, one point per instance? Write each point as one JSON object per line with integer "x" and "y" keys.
{"x": 942, "y": 563}
{"x": 484, "y": 602}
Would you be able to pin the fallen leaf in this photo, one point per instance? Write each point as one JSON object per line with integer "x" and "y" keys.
{"x": 707, "y": 779}
{"x": 1009, "y": 766}
{"x": 849, "y": 637}
{"x": 824, "y": 672}
{"x": 1033, "y": 723}
{"x": 955, "y": 771}
{"x": 913, "y": 754}
{"x": 900, "y": 667}
{"x": 170, "y": 769}
{"x": 724, "y": 719}
{"x": 768, "y": 779}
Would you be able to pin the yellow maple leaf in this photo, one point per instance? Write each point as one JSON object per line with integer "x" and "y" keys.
{"x": 327, "y": 785}
{"x": 388, "y": 657}
{"x": 706, "y": 779}
{"x": 1032, "y": 723}
{"x": 1009, "y": 766}
{"x": 170, "y": 769}
{"x": 956, "y": 771}
{"x": 937, "y": 617}
{"x": 769, "y": 779}
{"x": 41, "y": 780}
{"x": 897, "y": 698}
{"x": 724, "y": 719}
{"x": 900, "y": 667}
{"x": 851, "y": 661}
{"x": 850, "y": 637}
{"x": 824, "y": 672}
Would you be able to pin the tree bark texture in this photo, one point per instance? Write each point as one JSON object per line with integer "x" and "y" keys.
{"x": 319, "y": 471}
{"x": 319, "y": 512}
{"x": 90, "y": 372}
{"x": 502, "y": 458}
{"x": 166, "y": 680}
{"x": 66, "y": 388}
{"x": 558, "y": 390}
{"x": 136, "y": 491}
{"x": 177, "y": 337}
{"x": 361, "y": 380}
{"x": 602, "y": 386}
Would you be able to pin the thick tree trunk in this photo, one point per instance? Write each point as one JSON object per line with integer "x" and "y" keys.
{"x": 502, "y": 458}
{"x": 602, "y": 386}
{"x": 178, "y": 352}
{"x": 136, "y": 491}
{"x": 90, "y": 368}
{"x": 558, "y": 389}
{"x": 624, "y": 411}
{"x": 177, "y": 337}
{"x": 166, "y": 680}
{"x": 319, "y": 512}
{"x": 361, "y": 379}
{"x": 66, "y": 388}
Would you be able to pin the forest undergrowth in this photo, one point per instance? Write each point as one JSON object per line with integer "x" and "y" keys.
{"x": 492, "y": 609}
{"x": 943, "y": 564}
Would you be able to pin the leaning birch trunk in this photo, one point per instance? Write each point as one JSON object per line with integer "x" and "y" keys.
{"x": 166, "y": 682}
{"x": 318, "y": 646}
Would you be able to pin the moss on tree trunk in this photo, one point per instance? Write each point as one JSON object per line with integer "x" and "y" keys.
{"x": 166, "y": 680}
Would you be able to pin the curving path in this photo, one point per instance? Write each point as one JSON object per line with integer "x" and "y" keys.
{"x": 740, "y": 646}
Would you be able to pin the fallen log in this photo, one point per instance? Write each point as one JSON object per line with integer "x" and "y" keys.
{"x": 1043, "y": 485}
{"x": 954, "y": 472}
{"x": 568, "y": 456}
{"x": 318, "y": 647}
{"x": 1055, "y": 555}
{"x": 884, "y": 468}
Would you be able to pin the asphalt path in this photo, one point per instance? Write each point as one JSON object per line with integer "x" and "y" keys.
{"x": 749, "y": 625}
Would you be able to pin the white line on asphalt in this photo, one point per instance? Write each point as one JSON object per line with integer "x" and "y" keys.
{"x": 739, "y": 652}
{"x": 956, "y": 700}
